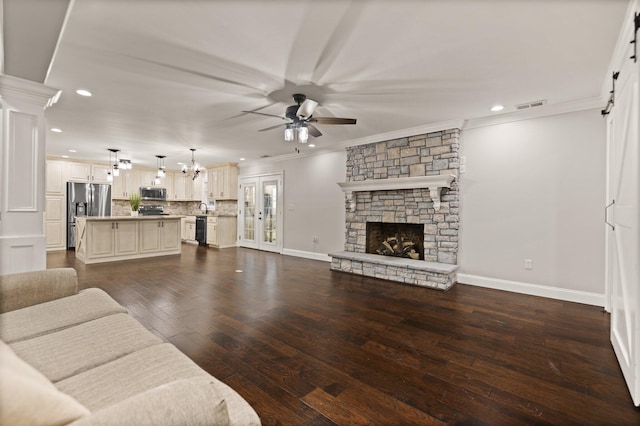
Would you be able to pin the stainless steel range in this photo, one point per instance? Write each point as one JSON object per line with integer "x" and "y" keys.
{"x": 152, "y": 210}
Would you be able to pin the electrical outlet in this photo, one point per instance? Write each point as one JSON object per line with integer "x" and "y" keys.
{"x": 315, "y": 239}
{"x": 528, "y": 264}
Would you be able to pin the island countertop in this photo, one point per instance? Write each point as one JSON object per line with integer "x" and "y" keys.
{"x": 147, "y": 217}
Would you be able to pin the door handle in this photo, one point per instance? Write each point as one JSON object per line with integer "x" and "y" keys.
{"x": 613, "y": 228}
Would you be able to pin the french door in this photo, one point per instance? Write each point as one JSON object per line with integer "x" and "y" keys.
{"x": 260, "y": 212}
{"x": 623, "y": 232}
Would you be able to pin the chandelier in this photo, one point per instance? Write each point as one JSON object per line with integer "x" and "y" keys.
{"x": 194, "y": 169}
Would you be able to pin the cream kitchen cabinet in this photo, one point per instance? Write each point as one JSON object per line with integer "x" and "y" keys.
{"x": 212, "y": 231}
{"x": 84, "y": 172}
{"x": 57, "y": 176}
{"x": 185, "y": 188}
{"x": 221, "y": 231}
{"x": 128, "y": 182}
{"x": 55, "y": 223}
{"x": 222, "y": 182}
{"x": 159, "y": 235}
{"x": 109, "y": 238}
{"x": 189, "y": 230}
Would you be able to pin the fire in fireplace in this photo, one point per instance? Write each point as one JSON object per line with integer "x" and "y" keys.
{"x": 396, "y": 239}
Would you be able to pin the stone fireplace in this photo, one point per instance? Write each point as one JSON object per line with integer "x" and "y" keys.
{"x": 409, "y": 181}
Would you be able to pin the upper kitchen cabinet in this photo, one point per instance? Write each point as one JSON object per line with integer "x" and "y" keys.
{"x": 185, "y": 188}
{"x": 84, "y": 172}
{"x": 126, "y": 183}
{"x": 57, "y": 176}
{"x": 223, "y": 182}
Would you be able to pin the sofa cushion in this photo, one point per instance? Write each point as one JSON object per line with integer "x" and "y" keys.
{"x": 192, "y": 401}
{"x": 57, "y": 314}
{"x": 28, "y": 398}
{"x": 143, "y": 370}
{"x": 75, "y": 349}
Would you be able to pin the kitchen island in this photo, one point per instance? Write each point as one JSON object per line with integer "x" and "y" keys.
{"x": 111, "y": 238}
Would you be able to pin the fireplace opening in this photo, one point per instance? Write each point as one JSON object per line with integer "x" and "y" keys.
{"x": 396, "y": 239}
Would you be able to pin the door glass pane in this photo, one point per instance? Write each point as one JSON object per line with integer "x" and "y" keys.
{"x": 249, "y": 198}
{"x": 270, "y": 198}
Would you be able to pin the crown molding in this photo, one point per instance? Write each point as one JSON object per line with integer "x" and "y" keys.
{"x": 403, "y": 133}
{"x": 543, "y": 111}
{"x": 14, "y": 89}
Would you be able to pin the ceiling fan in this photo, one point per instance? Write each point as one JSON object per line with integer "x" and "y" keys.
{"x": 300, "y": 117}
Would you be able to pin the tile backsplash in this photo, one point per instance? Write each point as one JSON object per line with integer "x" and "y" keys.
{"x": 182, "y": 208}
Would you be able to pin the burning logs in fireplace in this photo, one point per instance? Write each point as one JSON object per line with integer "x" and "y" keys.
{"x": 399, "y": 246}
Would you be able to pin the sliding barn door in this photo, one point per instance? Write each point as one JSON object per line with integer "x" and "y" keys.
{"x": 623, "y": 233}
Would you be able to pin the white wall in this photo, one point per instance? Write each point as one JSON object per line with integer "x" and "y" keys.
{"x": 313, "y": 202}
{"x": 535, "y": 189}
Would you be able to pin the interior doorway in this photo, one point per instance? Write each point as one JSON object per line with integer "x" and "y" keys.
{"x": 260, "y": 212}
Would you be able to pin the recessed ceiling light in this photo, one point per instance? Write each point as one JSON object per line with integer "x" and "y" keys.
{"x": 311, "y": 145}
{"x": 497, "y": 108}
{"x": 242, "y": 158}
{"x": 55, "y": 129}
{"x": 65, "y": 156}
{"x": 72, "y": 150}
{"x": 83, "y": 92}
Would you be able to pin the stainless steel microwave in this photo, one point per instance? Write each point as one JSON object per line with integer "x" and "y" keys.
{"x": 153, "y": 193}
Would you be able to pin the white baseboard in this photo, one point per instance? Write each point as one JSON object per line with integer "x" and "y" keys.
{"x": 594, "y": 299}
{"x": 307, "y": 255}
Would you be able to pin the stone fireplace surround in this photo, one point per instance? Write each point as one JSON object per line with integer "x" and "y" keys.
{"x": 405, "y": 180}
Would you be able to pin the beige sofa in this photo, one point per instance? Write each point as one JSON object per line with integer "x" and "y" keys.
{"x": 69, "y": 357}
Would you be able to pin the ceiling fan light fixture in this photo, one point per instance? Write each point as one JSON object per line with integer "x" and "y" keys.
{"x": 303, "y": 134}
{"x": 288, "y": 133}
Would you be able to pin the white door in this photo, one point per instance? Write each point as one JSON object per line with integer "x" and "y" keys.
{"x": 622, "y": 265}
{"x": 260, "y": 213}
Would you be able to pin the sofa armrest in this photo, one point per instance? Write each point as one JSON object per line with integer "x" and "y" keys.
{"x": 30, "y": 288}
{"x": 193, "y": 401}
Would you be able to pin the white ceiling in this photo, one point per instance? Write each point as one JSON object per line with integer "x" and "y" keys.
{"x": 167, "y": 76}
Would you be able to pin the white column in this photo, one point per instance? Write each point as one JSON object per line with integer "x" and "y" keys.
{"x": 22, "y": 173}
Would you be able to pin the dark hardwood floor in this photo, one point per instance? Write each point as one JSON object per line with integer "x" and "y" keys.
{"x": 308, "y": 346}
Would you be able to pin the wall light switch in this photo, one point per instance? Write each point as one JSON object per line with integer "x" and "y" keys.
{"x": 528, "y": 264}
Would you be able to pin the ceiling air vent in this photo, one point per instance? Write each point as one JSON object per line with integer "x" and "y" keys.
{"x": 533, "y": 104}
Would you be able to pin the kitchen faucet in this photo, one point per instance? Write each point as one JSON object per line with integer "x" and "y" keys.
{"x": 206, "y": 209}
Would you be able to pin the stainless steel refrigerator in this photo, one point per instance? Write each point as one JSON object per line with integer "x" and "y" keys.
{"x": 85, "y": 199}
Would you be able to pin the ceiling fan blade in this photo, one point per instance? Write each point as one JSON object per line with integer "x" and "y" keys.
{"x": 306, "y": 108}
{"x": 268, "y": 115}
{"x": 333, "y": 120}
{"x": 313, "y": 130}
{"x": 272, "y": 127}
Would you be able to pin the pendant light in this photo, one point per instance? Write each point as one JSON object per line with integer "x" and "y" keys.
{"x": 160, "y": 164}
{"x": 113, "y": 167}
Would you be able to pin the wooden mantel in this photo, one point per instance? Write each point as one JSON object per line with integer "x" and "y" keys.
{"x": 433, "y": 183}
